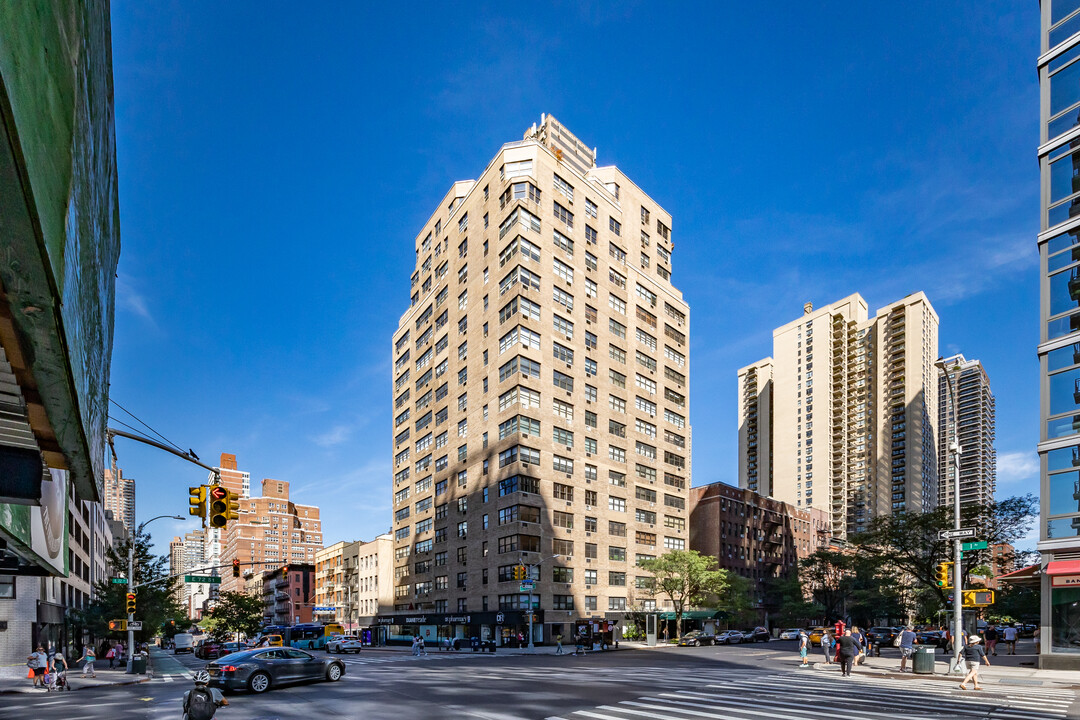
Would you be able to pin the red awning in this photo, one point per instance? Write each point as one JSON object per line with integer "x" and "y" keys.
{"x": 1063, "y": 567}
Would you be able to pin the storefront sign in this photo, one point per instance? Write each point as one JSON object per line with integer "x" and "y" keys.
{"x": 1065, "y": 581}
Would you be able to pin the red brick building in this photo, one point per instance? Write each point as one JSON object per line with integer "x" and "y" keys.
{"x": 752, "y": 535}
{"x": 289, "y": 595}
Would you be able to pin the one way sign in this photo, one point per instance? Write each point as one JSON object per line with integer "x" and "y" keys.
{"x": 955, "y": 534}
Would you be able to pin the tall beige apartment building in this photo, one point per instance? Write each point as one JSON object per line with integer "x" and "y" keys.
{"x": 970, "y": 404}
{"x": 540, "y": 398}
{"x": 272, "y": 531}
{"x": 177, "y": 566}
{"x": 119, "y": 497}
{"x": 842, "y": 417}
{"x": 239, "y": 482}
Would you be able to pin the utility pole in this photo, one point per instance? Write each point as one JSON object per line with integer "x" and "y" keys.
{"x": 959, "y": 639}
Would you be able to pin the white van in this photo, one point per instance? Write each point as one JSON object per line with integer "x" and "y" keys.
{"x": 183, "y": 642}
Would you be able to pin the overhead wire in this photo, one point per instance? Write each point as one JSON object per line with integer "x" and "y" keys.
{"x": 141, "y": 422}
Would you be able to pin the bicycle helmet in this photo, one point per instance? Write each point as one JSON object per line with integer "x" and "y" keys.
{"x": 201, "y": 677}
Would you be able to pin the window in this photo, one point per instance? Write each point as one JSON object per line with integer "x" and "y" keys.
{"x": 645, "y": 294}
{"x": 564, "y": 215}
{"x": 618, "y": 305}
{"x": 563, "y": 270}
{"x": 590, "y": 210}
{"x": 674, "y": 543}
{"x": 645, "y": 316}
{"x": 562, "y": 353}
{"x": 647, "y": 473}
{"x": 520, "y": 216}
{"x": 648, "y": 517}
{"x": 519, "y": 274}
{"x": 563, "y": 298}
{"x": 616, "y": 279}
{"x": 559, "y": 379}
{"x": 674, "y": 418}
{"x": 646, "y": 494}
{"x": 564, "y": 548}
{"x": 644, "y": 405}
{"x": 590, "y": 393}
{"x": 529, "y": 309}
{"x": 562, "y": 492}
{"x": 562, "y": 464}
{"x": 564, "y": 437}
{"x": 616, "y": 504}
{"x": 646, "y": 338}
{"x": 563, "y": 410}
{"x": 617, "y": 554}
{"x": 617, "y": 328}
{"x": 519, "y": 543}
{"x": 563, "y": 242}
{"x": 519, "y": 423}
{"x": 463, "y": 274}
{"x": 616, "y": 377}
{"x": 675, "y": 523}
{"x": 674, "y": 501}
{"x": 615, "y": 226}
{"x": 529, "y": 251}
{"x": 590, "y": 364}
{"x": 565, "y": 188}
{"x": 645, "y": 383}
{"x": 645, "y": 428}
{"x": 591, "y": 237}
{"x": 526, "y": 337}
{"x": 523, "y": 513}
{"x": 590, "y": 419}
{"x": 616, "y": 578}
{"x": 590, "y": 288}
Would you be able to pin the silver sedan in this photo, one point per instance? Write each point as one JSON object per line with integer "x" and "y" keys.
{"x": 260, "y": 669}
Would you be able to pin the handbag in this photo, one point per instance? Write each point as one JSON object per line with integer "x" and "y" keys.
{"x": 896, "y": 640}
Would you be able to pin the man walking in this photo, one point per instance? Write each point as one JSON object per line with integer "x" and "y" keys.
{"x": 907, "y": 646}
{"x": 558, "y": 644}
{"x": 1009, "y": 636}
{"x": 849, "y": 648}
{"x": 972, "y": 654}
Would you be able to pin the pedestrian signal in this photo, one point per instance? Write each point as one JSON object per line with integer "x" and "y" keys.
{"x": 236, "y": 567}
{"x": 977, "y": 598}
{"x": 942, "y": 575}
{"x": 130, "y": 604}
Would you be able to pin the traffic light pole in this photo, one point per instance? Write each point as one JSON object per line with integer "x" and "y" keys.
{"x": 131, "y": 616}
{"x": 959, "y": 640}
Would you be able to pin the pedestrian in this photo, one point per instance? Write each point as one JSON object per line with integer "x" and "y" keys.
{"x": 111, "y": 657}
{"x": 1035, "y": 636}
{"x": 38, "y": 662}
{"x": 416, "y": 645}
{"x": 423, "y": 650}
{"x": 88, "y": 656}
{"x": 1009, "y": 636}
{"x": 826, "y": 646}
{"x": 804, "y": 646}
{"x": 558, "y": 644}
{"x": 973, "y": 653}
{"x": 908, "y": 639}
{"x": 991, "y": 635}
{"x": 860, "y": 638}
{"x": 59, "y": 669}
{"x": 849, "y": 648}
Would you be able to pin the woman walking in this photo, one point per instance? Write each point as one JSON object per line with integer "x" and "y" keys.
{"x": 973, "y": 653}
{"x": 89, "y": 657}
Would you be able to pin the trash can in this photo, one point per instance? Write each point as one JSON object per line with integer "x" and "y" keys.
{"x": 924, "y": 661}
{"x": 138, "y": 665}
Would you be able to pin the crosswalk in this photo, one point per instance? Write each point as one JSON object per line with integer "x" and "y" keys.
{"x": 351, "y": 661}
{"x": 815, "y": 696}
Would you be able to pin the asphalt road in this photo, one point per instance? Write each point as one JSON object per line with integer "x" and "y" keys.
{"x": 751, "y": 682}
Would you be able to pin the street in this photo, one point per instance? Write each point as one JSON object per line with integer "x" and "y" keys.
{"x": 760, "y": 681}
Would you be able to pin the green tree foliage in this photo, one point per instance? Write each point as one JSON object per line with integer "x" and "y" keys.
{"x": 156, "y": 601}
{"x": 788, "y": 604}
{"x": 908, "y": 544}
{"x": 688, "y": 579}
{"x": 236, "y": 613}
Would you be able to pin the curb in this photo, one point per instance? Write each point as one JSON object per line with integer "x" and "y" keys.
{"x": 893, "y": 675}
{"x": 34, "y": 691}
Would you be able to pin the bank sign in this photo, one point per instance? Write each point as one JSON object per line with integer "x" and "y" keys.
{"x": 1065, "y": 581}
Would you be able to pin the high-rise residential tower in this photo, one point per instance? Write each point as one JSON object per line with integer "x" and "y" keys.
{"x": 540, "y": 397}
{"x": 120, "y": 498}
{"x": 974, "y": 412}
{"x": 844, "y": 412}
{"x": 1059, "y": 331}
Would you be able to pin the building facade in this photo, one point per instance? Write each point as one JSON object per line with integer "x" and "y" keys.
{"x": 289, "y": 594}
{"x": 754, "y": 536}
{"x": 236, "y": 481}
{"x": 1059, "y": 334}
{"x": 354, "y": 581}
{"x": 847, "y": 405}
{"x": 120, "y": 498}
{"x": 541, "y": 389}
{"x": 272, "y": 530}
{"x": 177, "y": 566}
{"x": 966, "y": 403}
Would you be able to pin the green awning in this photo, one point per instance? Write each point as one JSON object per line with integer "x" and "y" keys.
{"x": 696, "y": 615}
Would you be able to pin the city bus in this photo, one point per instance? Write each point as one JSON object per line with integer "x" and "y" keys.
{"x": 309, "y": 636}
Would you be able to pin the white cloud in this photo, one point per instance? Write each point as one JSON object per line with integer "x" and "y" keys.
{"x": 334, "y": 436}
{"x": 1014, "y": 468}
{"x": 130, "y": 299}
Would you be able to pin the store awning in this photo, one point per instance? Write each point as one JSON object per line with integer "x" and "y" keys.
{"x": 1063, "y": 567}
{"x": 696, "y": 615}
{"x": 1024, "y": 577}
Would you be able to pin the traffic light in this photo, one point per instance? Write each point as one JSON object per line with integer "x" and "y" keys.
{"x": 197, "y": 502}
{"x": 284, "y": 571}
{"x": 118, "y": 625}
{"x": 942, "y": 575}
{"x": 519, "y": 572}
{"x": 232, "y": 509}
{"x": 131, "y": 604}
{"x": 219, "y": 507}
{"x": 236, "y": 567}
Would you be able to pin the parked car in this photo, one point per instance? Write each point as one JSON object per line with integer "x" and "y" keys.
{"x": 208, "y": 650}
{"x": 790, "y": 634}
{"x": 882, "y": 635}
{"x": 344, "y": 644}
{"x": 758, "y": 634}
{"x": 696, "y": 638}
{"x": 261, "y": 669}
{"x": 729, "y": 637}
{"x": 934, "y": 638}
{"x": 231, "y": 647}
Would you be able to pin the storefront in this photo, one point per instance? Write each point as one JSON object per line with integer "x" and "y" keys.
{"x": 508, "y": 628}
{"x": 1063, "y": 579}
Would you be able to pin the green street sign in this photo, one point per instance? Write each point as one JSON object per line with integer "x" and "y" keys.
{"x": 119, "y": 581}
{"x": 981, "y": 545}
{"x": 212, "y": 579}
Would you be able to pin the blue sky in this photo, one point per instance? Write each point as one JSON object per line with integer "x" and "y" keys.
{"x": 277, "y": 160}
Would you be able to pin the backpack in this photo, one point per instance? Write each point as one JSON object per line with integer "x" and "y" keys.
{"x": 201, "y": 705}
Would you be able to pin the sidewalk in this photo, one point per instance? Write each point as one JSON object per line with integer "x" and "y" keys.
{"x": 992, "y": 674}
{"x": 13, "y": 678}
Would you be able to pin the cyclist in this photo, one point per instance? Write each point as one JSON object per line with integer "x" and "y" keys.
{"x": 201, "y": 702}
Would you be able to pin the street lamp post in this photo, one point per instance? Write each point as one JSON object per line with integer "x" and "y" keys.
{"x": 131, "y": 579}
{"x": 955, "y": 450}
{"x": 534, "y": 565}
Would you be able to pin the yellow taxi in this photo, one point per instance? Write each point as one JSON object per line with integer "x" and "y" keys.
{"x": 815, "y": 636}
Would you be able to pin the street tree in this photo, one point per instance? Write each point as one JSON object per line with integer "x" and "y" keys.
{"x": 829, "y": 575}
{"x": 155, "y": 592}
{"x": 908, "y": 544}
{"x": 688, "y": 579}
{"x": 236, "y": 612}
